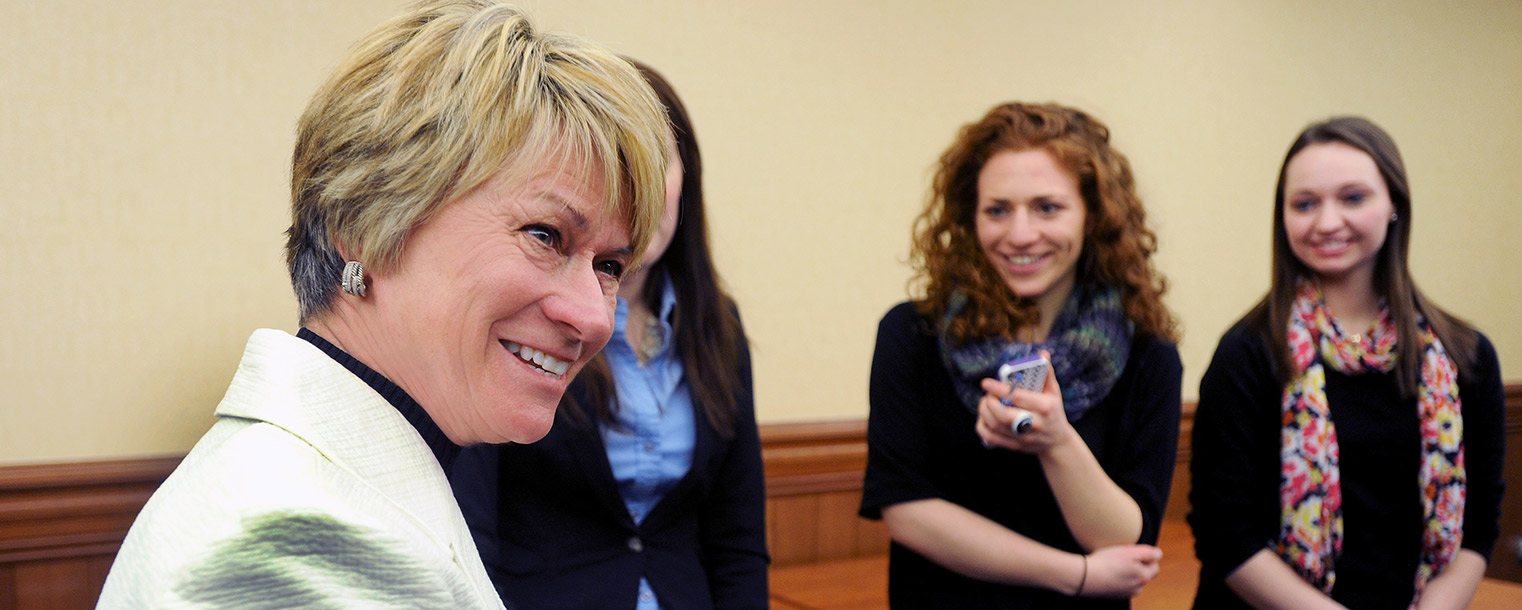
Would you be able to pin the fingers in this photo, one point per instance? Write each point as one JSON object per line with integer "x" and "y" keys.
{"x": 1001, "y": 407}
{"x": 995, "y": 387}
{"x": 1006, "y": 426}
{"x": 1051, "y": 388}
{"x": 1122, "y": 571}
{"x": 1147, "y": 572}
{"x": 1144, "y": 553}
{"x": 1015, "y": 397}
{"x": 993, "y": 409}
{"x": 993, "y": 431}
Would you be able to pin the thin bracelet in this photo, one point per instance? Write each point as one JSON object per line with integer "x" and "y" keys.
{"x": 1083, "y": 579}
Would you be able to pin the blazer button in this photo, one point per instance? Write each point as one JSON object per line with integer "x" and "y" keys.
{"x": 635, "y": 544}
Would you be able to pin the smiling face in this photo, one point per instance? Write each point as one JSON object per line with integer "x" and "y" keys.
{"x": 499, "y": 299}
{"x": 1030, "y": 224}
{"x": 1337, "y": 211}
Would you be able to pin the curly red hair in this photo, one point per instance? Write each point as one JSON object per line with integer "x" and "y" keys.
{"x": 1118, "y": 246}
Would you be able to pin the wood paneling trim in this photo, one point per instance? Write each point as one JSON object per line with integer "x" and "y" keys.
{"x": 52, "y": 512}
{"x": 822, "y": 457}
{"x": 80, "y": 474}
{"x": 1186, "y": 432}
{"x": 1506, "y": 557}
{"x": 816, "y": 433}
{"x": 813, "y": 487}
{"x": 61, "y": 511}
{"x": 813, "y": 458}
{"x": 1513, "y": 399}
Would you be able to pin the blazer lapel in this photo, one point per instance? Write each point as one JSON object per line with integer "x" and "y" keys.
{"x": 289, "y": 383}
{"x": 584, "y": 442}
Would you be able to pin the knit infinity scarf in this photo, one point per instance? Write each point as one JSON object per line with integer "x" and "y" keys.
{"x": 1310, "y": 493}
{"x": 1089, "y": 343}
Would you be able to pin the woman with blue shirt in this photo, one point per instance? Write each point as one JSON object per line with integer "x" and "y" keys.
{"x": 648, "y": 492}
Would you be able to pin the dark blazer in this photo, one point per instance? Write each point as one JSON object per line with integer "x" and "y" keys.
{"x": 554, "y": 532}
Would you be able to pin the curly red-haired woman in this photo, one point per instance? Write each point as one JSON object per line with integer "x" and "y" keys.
{"x": 1034, "y": 241}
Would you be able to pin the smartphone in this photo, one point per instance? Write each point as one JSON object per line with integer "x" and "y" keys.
{"x": 1027, "y": 373}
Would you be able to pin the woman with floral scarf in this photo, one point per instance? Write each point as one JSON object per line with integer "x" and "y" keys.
{"x": 1348, "y": 442}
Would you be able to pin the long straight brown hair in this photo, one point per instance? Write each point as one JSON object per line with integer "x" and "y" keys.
{"x": 1392, "y": 276}
{"x": 707, "y": 329}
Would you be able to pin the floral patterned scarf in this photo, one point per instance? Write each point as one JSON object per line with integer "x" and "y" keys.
{"x": 1310, "y": 492}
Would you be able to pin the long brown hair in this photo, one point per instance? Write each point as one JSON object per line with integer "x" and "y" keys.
{"x": 1117, "y": 246}
{"x": 1392, "y": 277}
{"x": 707, "y": 330}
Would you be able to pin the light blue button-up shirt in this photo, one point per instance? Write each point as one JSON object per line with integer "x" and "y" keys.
{"x": 651, "y": 449}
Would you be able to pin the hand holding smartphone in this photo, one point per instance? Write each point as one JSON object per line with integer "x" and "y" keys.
{"x": 1027, "y": 373}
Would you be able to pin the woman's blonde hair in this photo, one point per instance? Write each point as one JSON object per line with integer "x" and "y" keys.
{"x": 706, "y": 325}
{"x": 432, "y": 104}
{"x": 1117, "y": 245}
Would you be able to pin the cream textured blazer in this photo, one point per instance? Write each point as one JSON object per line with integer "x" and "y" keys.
{"x": 309, "y": 490}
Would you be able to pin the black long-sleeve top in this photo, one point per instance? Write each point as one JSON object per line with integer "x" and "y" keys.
{"x": 921, "y": 444}
{"x": 1235, "y": 466}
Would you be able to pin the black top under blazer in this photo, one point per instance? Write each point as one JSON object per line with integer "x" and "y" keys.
{"x": 554, "y": 531}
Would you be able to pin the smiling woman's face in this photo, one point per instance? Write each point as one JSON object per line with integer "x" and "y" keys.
{"x": 499, "y": 300}
{"x": 1337, "y": 211}
{"x": 1030, "y": 223}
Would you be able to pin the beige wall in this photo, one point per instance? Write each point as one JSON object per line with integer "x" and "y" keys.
{"x": 144, "y": 149}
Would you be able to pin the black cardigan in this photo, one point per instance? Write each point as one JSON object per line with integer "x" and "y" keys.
{"x": 1235, "y": 466}
{"x": 554, "y": 532}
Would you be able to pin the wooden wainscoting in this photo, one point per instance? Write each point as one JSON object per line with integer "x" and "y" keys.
{"x": 1506, "y": 559}
{"x": 61, "y": 524}
{"x": 813, "y": 488}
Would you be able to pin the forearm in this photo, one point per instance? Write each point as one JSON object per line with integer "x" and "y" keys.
{"x": 974, "y": 546}
{"x": 1266, "y": 582}
{"x": 1456, "y": 585}
{"x": 1097, "y": 511}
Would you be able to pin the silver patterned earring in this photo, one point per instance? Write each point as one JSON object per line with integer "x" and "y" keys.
{"x": 1394, "y": 216}
{"x": 354, "y": 279}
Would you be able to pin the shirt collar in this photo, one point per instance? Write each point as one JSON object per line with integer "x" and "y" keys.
{"x": 668, "y": 298}
{"x": 443, "y": 449}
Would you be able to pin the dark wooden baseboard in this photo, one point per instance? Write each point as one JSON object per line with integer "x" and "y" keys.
{"x": 61, "y": 524}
